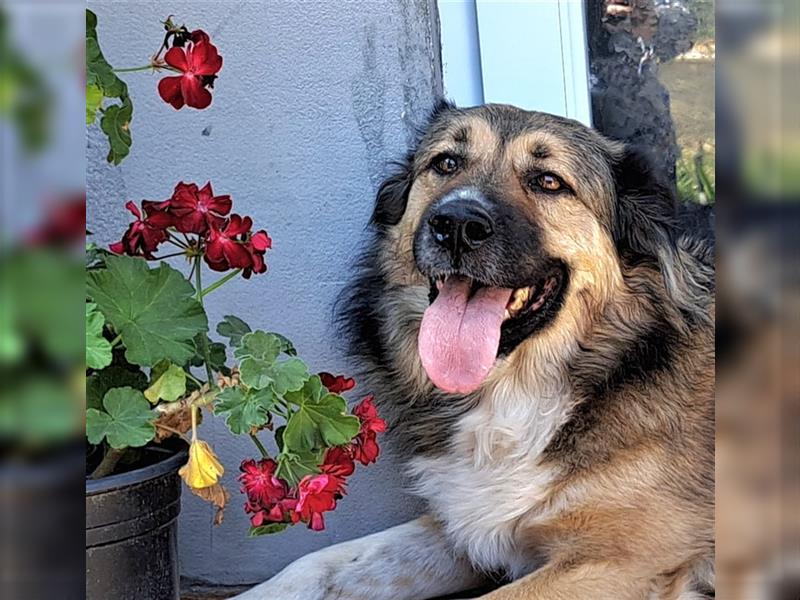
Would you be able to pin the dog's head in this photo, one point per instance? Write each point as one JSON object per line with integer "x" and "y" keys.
{"x": 509, "y": 221}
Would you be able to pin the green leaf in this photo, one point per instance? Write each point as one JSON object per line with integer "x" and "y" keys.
{"x": 116, "y": 125}
{"x": 216, "y": 354}
{"x": 98, "y": 348}
{"x": 244, "y": 410}
{"x": 258, "y": 344}
{"x": 114, "y": 376}
{"x": 289, "y": 376}
{"x": 279, "y": 437}
{"x": 94, "y": 98}
{"x": 293, "y": 466}
{"x": 233, "y": 328}
{"x": 312, "y": 390}
{"x": 168, "y": 385}
{"x": 286, "y": 345}
{"x": 125, "y": 422}
{"x": 153, "y": 309}
{"x": 98, "y": 71}
{"x": 103, "y": 82}
{"x": 256, "y": 373}
{"x": 321, "y": 423}
{"x": 267, "y": 529}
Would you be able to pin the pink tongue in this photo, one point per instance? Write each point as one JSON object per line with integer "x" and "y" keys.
{"x": 459, "y": 336}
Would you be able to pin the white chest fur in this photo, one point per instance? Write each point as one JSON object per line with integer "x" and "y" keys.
{"x": 491, "y": 479}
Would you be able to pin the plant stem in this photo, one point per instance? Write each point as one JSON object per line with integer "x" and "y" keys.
{"x": 259, "y": 445}
{"x": 108, "y": 464}
{"x": 203, "y": 338}
{"x": 220, "y": 282}
{"x": 170, "y": 255}
{"x": 116, "y": 340}
{"x": 172, "y": 239}
{"x": 134, "y": 69}
{"x": 193, "y": 378}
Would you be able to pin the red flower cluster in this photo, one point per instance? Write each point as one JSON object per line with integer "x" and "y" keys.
{"x": 271, "y": 500}
{"x": 225, "y": 240}
{"x": 199, "y": 62}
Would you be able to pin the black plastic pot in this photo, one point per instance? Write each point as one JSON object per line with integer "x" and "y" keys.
{"x": 132, "y": 531}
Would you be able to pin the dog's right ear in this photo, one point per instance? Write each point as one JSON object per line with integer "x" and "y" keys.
{"x": 393, "y": 195}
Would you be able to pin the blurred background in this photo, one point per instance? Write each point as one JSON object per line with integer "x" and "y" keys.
{"x": 653, "y": 76}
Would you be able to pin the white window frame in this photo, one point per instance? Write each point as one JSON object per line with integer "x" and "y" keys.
{"x": 530, "y": 53}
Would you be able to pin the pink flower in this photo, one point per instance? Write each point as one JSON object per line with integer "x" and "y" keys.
{"x": 199, "y": 63}
{"x": 317, "y": 494}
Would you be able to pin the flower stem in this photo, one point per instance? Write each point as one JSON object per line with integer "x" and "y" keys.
{"x": 203, "y": 339}
{"x": 193, "y": 412}
{"x": 259, "y": 445}
{"x": 220, "y": 282}
{"x": 174, "y": 254}
{"x": 134, "y": 69}
{"x": 116, "y": 340}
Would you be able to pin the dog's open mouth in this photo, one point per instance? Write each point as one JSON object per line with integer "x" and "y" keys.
{"x": 523, "y": 300}
{"x": 465, "y": 324}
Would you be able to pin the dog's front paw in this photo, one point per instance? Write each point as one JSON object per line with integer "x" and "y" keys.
{"x": 305, "y": 579}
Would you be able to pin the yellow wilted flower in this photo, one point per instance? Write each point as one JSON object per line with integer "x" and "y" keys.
{"x": 203, "y": 468}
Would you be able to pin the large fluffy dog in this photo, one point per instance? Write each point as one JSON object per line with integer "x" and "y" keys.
{"x": 541, "y": 334}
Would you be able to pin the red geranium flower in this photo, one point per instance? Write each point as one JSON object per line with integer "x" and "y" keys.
{"x": 259, "y": 482}
{"x": 365, "y": 445}
{"x": 257, "y": 246}
{"x": 337, "y": 384}
{"x": 199, "y": 62}
{"x": 144, "y": 235}
{"x": 195, "y": 210}
{"x": 338, "y": 462}
{"x": 228, "y": 248}
{"x": 316, "y": 495}
{"x": 267, "y": 495}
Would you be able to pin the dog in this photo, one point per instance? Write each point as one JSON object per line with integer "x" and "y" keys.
{"x": 539, "y": 327}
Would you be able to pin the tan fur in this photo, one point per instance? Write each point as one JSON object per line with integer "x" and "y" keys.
{"x": 617, "y": 506}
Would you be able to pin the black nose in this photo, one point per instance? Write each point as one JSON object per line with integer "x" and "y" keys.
{"x": 461, "y": 226}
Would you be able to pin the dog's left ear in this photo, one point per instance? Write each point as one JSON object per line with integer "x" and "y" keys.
{"x": 646, "y": 208}
{"x": 646, "y": 230}
{"x": 392, "y": 198}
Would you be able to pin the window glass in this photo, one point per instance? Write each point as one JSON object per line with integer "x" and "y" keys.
{"x": 652, "y": 84}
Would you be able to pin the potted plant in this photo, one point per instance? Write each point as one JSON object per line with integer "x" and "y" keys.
{"x": 153, "y": 371}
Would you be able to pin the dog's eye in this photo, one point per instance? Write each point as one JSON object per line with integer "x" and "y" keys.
{"x": 445, "y": 164}
{"x": 549, "y": 182}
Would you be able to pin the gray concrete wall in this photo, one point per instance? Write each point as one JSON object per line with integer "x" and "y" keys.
{"x": 314, "y": 99}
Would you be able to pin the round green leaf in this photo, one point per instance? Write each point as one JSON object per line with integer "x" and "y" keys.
{"x": 153, "y": 309}
{"x": 168, "y": 385}
{"x": 98, "y": 348}
{"x": 125, "y": 422}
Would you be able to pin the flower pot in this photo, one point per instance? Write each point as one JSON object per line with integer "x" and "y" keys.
{"x": 131, "y": 530}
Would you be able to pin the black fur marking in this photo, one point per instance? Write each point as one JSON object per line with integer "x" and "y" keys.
{"x": 598, "y": 380}
{"x": 392, "y": 198}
